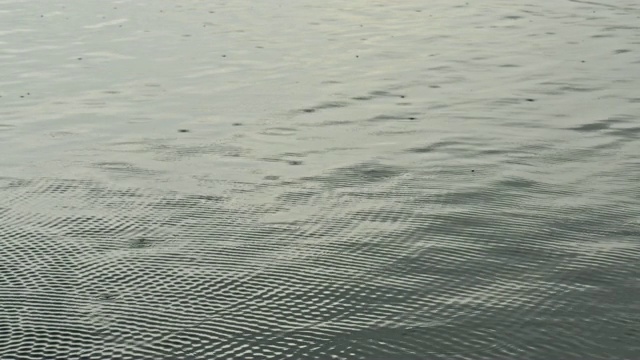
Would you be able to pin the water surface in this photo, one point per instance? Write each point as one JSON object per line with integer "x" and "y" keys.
{"x": 317, "y": 180}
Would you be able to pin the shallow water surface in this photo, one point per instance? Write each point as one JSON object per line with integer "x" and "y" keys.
{"x": 319, "y": 180}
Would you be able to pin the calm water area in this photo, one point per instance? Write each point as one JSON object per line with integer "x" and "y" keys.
{"x": 443, "y": 179}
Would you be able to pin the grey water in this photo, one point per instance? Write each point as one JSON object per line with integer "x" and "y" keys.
{"x": 444, "y": 179}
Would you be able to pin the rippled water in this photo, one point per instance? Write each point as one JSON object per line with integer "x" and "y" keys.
{"x": 315, "y": 180}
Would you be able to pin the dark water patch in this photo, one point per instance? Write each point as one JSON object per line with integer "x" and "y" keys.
{"x": 360, "y": 174}
{"x": 298, "y": 197}
{"x": 568, "y": 87}
{"x": 596, "y": 126}
{"x": 469, "y": 198}
{"x": 433, "y": 147}
{"x": 283, "y": 159}
{"x": 372, "y": 172}
{"x": 381, "y": 93}
{"x": 324, "y": 106}
{"x": 141, "y": 243}
{"x": 393, "y": 132}
{"x": 178, "y": 152}
{"x": 511, "y": 101}
{"x": 206, "y": 198}
{"x": 441, "y": 68}
{"x": 384, "y": 118}
{"x": 178, "y": 203}
{"x": 620, "y": 27}
{"x": 494, "y": 152}
{"x": 332, "y": 123}
{"x": 601, "y": 4}
{"x": 60, "y": 186}
{"x": 620, "y": 119}
{"x": 579, "y": 89}
{"x": 332, "y": 105}
{"x": 382, "y": 215}
{"x": 61, "y": 134}
{"x": 631, "y": 133}
{"x": 517, "y": 183}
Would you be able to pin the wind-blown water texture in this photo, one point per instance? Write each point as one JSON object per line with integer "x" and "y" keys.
{"x": 317, "y": 180}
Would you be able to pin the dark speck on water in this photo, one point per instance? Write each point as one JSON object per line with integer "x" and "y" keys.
{"x": 183, "y": 130}
{"x": 107, "y": 296}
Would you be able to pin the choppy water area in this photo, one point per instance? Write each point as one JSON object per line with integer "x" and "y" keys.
{"x": 318, "y": 180}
